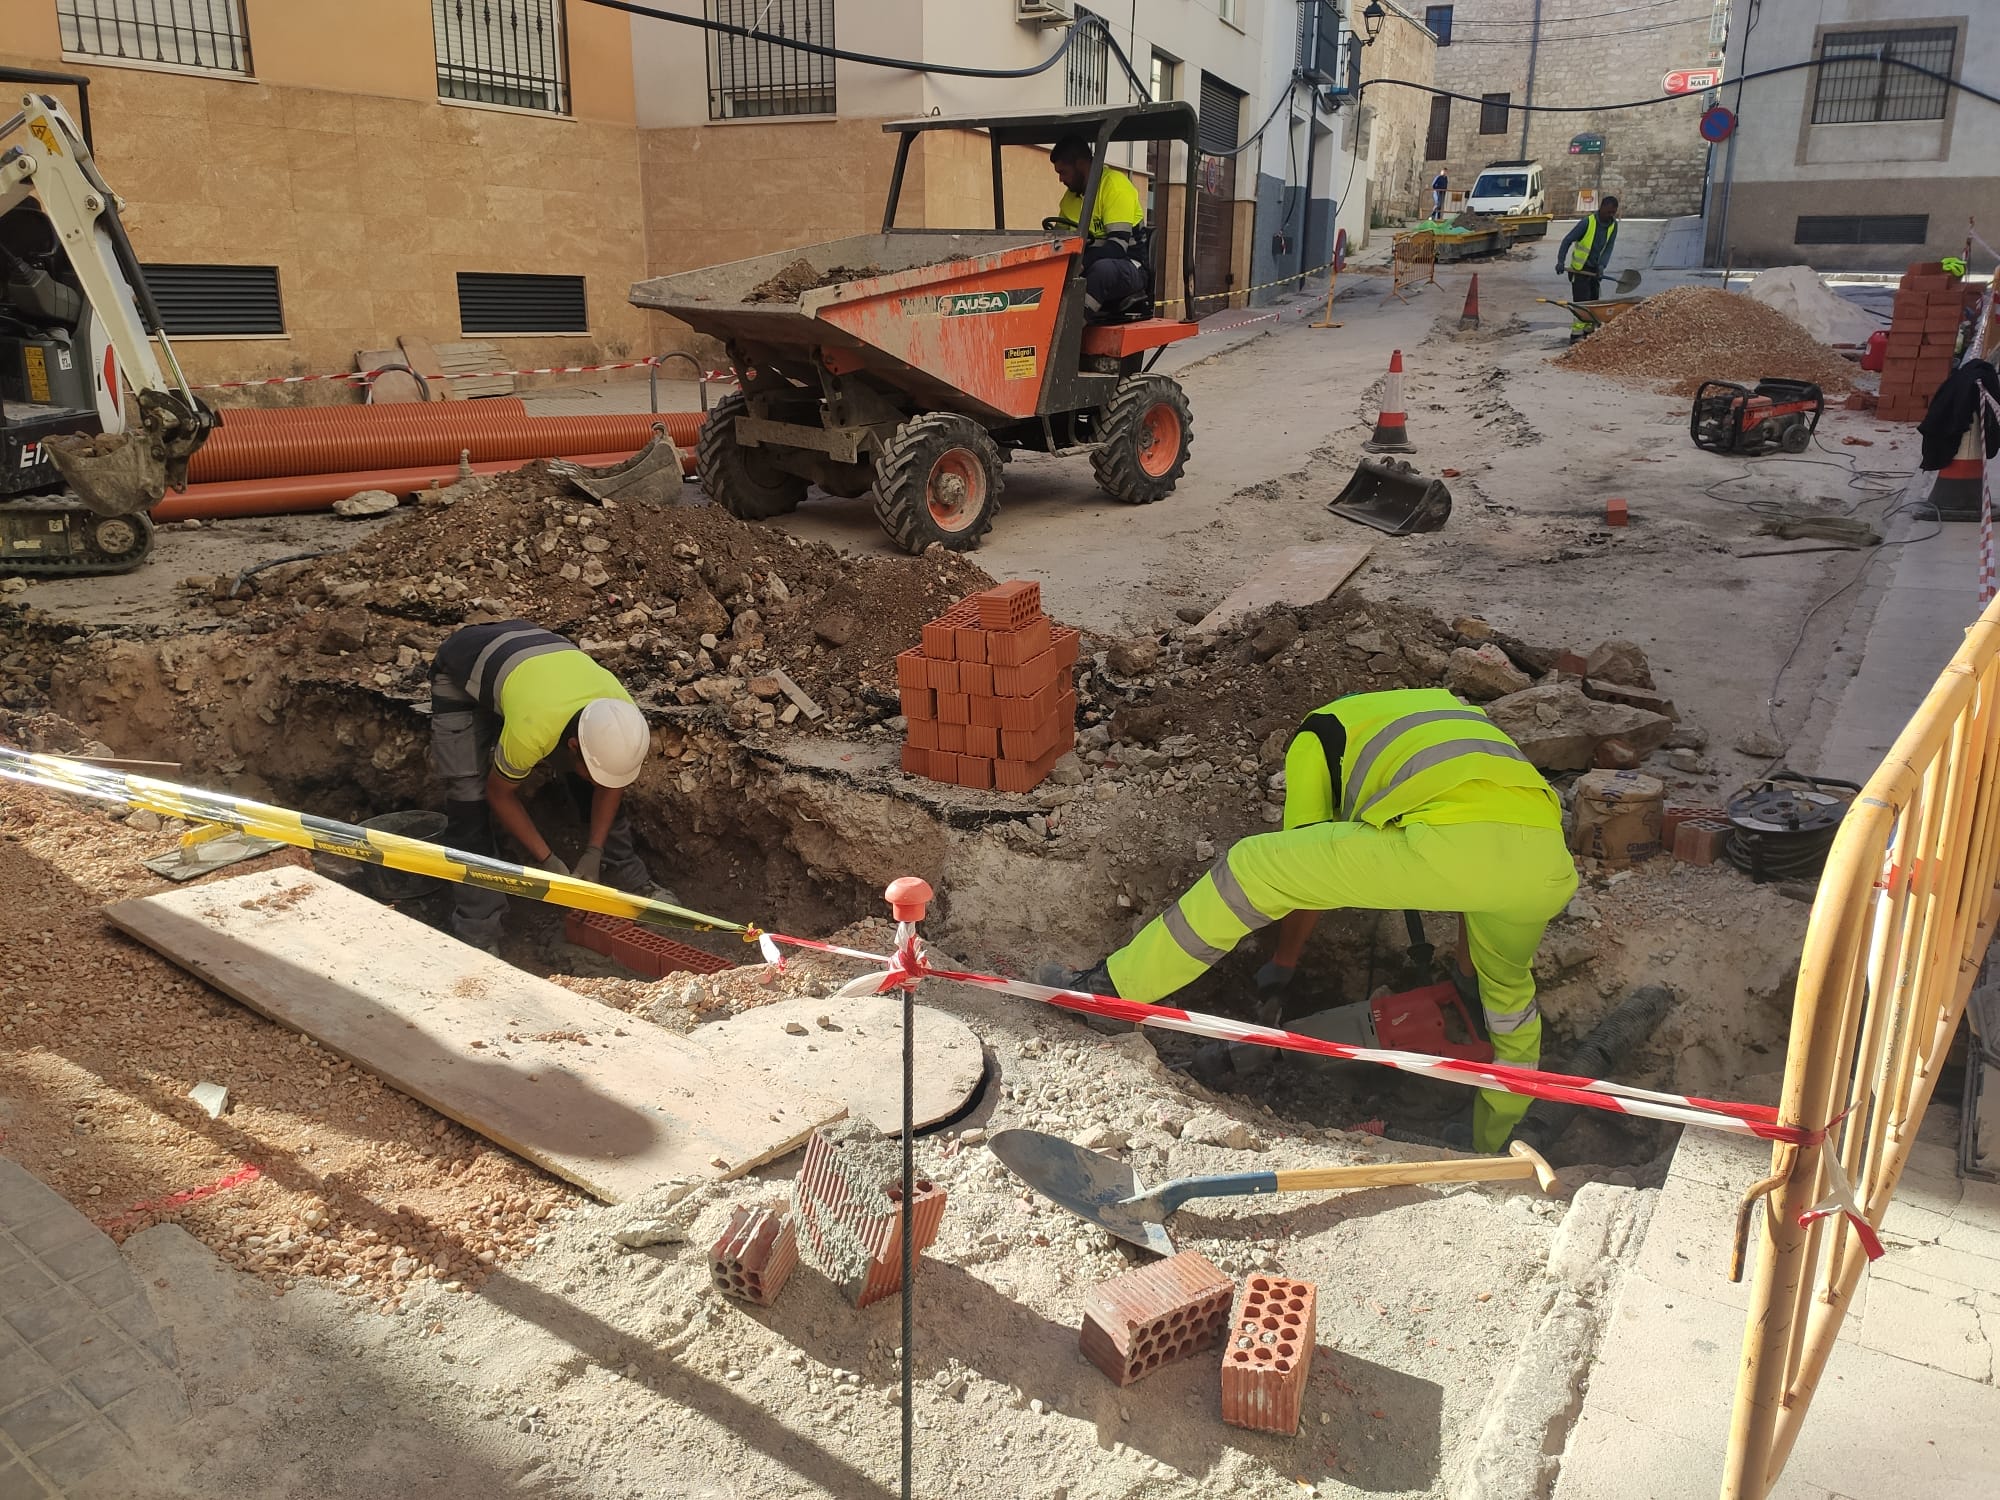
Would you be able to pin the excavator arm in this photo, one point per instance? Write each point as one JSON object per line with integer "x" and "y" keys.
{"x": 127, "y": 466}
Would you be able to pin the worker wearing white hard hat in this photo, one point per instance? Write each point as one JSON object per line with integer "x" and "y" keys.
{"x": 504, "y": 697}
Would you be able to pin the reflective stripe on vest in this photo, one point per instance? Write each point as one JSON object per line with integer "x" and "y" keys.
{"x": 1429, "y": 746}
{"x": 1505, "y": 1021}
{"x": 1379, "y": 743}
{"x": 1579, "y": 255}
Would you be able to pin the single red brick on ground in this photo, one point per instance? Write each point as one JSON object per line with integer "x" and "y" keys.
{"x": 1267, "y": 1357}
{"x": 757, "y": 1252}
{"x": 1133, "y": 1324}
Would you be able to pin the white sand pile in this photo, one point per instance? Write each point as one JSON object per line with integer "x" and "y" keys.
{"x": 1798, "y": 293}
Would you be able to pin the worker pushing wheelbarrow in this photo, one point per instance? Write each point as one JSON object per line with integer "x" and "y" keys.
{"x": 919, "y": 356}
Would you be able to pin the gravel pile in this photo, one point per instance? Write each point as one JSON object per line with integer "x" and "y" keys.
{"x": 1680, "y": 338}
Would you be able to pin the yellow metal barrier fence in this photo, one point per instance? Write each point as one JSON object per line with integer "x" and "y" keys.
{"x": 1905, "y": 911}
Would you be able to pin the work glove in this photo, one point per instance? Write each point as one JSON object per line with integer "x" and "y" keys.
{"x": 589, "y": 864}
{"x": 553, "y": 865}
{"x": 1271, "y": 983}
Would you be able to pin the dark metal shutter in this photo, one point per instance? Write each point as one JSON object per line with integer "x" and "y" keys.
{"x": 239, "y": 300}
{"x": 1437, "y": 140}
{"x": 493, "y": 303}
{"x": 1862, "y": 229}
{"x": 1221, "y": 115}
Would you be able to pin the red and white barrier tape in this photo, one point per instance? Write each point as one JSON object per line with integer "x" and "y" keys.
{"x": 1990, "y": 411}
{"x": 909, "y": 964}
{"x": 366, "y": 376}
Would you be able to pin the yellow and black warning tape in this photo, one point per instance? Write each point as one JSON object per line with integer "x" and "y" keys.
{"x": 348, "y": 840}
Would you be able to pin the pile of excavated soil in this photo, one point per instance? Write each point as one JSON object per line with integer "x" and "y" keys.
{"x": 1680, "y": 338}
{"x": 802, "y": 276}
{"x": 664, "y": 596}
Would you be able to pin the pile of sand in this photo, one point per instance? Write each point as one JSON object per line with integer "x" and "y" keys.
{"x": 1798, "y": 293}
{"x": 1682, "y": 337}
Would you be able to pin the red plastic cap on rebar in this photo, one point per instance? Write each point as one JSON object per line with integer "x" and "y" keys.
{"x": 907, "y": 897}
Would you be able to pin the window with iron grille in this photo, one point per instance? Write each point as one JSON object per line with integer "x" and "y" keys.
{"x": 1493, "y": 113}
{"x": 1437, "y": 18}
{"x": 1087, "y": 64}
{"x": 749, "y": 79}
{"x": 1862, "y": 229}
{"x": 502, "y": 52}
{"x": 493, "y": 303}
{"x": 238, "y": 301}
{"x": 207, "y": 34}
{"x": 1858, "y": 85}
{"x": 1437, "y": 139}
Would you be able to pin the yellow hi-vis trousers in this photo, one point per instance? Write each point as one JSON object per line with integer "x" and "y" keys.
{"x": 1507, "y": 880}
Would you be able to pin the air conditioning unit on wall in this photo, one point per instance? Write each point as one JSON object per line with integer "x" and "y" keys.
{"x": 1044, "y": 12}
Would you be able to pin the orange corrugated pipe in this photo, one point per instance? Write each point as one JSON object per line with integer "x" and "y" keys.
{"x": 270, "y": 451}
{"x": 282, "y": 496}
{"x": 392, "y": 411}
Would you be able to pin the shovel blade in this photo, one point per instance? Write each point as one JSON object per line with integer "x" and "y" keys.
{"x": 1089, "y": 1184}
{"x": 1393, "y": 498}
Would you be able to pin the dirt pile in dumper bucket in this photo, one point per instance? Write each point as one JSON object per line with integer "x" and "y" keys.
{"x": 802, "y": 276}
{"x": 685, "y": 603}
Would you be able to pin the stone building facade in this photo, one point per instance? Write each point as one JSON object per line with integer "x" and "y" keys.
{"x": 1654, "y": 158}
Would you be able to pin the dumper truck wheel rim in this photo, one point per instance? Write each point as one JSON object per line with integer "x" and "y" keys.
{"x": 1159, "y": 440}
{"x": 956, "y": 492}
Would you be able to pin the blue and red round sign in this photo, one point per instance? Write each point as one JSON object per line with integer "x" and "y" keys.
{"x": 1717, "y": 124}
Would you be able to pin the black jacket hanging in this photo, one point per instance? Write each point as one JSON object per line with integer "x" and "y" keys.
{"x": 1952, "y": 410}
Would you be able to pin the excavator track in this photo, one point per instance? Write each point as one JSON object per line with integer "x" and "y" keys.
{"x": 58, "y": 537}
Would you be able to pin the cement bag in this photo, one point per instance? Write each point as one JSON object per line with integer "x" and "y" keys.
{"x": 1616, "y": 817}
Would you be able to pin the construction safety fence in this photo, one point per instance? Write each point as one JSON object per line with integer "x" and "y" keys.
{"x": 1905, "y": 913}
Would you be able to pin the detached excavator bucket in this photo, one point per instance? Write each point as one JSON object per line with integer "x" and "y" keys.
{"x": 115, "y": 474}
{"x": 652, "y": 474}
{"x": 1392, "y": 497}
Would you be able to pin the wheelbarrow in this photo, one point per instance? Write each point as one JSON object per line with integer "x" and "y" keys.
{"x": 1598, "y": 313}
{"x": 653, "y": 474}
{"x": 1393, "y": 497}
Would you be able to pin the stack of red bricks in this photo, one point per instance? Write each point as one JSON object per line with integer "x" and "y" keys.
{"x": 1929, "y": 305}
{"x": 989, "y": 695}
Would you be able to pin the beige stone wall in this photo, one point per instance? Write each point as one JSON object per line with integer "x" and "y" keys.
{"x": 1397, "y": 181}
{"x": 1655, "y": 159}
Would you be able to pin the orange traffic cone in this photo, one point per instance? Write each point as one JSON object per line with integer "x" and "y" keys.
{"x": 1470, "y": 317}
{"x": 1955, "y": 496}
{"x": 1392, "y": 434}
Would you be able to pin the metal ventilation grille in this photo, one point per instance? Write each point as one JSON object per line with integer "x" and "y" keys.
{"x": 1221, "y": 115}
{"x": 490, "y": 303}
{"x": 1862, "y": 229}
{"x": 224, "y": 300}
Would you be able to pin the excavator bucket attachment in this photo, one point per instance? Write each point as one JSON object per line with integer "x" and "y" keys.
{"x": 653, "y": 474}
{"x": 115, "y": 474}
{"x": 1394, "y": 498}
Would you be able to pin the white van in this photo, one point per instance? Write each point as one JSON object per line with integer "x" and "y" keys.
{"x": 1508, "y": 187}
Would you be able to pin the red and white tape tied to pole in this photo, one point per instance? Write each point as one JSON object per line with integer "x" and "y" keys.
{"x": 910, "y": 964}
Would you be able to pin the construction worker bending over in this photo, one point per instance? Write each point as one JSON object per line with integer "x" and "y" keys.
{"x": 503, "y": 698}
{"x": 1583, "y": 255}
{"x": 1404, "y": 800}
{"x": 1113, "y": 278}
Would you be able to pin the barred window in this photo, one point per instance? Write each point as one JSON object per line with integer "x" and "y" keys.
{"x": 1493, "y": 113}
{"x": 208, "y": 34}
{"x": 502, "y": 52}
{"x": 1437, "y": 18}
{"x": 749, "y": 79}
{"x": 1858, "y": 85}
{"x": 1087, "y": 64}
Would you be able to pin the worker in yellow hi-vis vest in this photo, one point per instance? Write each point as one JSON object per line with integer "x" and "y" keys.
{"x": 1582, "y": 257}
{"x": 1403, "y": 800}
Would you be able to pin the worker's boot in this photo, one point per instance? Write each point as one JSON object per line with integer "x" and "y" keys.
{"x": 1095, "y": 980}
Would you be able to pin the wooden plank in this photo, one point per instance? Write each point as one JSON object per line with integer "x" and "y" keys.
{"x": 1297, "y": 576}
{"x": 610, "y": 1103}
{"x": 855, "y": 1048}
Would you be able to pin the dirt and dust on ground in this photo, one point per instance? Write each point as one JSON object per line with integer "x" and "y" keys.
{"x": 802, "y": 276}
{"x": 1679, "y": 338}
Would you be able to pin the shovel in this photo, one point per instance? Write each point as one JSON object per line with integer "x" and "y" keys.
{"x": 1109, "y": 1194}
{"x": 1629, "y": 279}
{"x": 1393, "y": 497}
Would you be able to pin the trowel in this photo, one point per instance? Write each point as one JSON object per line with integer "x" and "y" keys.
{"x": 1108, "y": 1193}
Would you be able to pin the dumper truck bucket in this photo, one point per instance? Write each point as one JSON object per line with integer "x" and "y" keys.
{"x": 1392, "y": 497}
{"x": 652, "y": 475}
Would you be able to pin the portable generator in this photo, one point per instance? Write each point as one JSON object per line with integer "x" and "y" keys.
{"x": 1739, "y": 419}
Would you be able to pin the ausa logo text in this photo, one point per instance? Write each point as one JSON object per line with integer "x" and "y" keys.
{"x": 967, "y": 304}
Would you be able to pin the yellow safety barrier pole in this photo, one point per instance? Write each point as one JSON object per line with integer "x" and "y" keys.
{"x": 350, "y": 841}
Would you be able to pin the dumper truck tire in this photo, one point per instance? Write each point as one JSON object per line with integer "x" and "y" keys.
{"x": 741, "y": 480}
{"x": 1144, "y": 434}
{"x": 938, "y": 481}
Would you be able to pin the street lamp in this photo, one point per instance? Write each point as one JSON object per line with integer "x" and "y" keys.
{"x": 1372, "y": 18}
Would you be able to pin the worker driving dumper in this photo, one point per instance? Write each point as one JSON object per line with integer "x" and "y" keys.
{"x": 504, "y": 697}
{"x": 1113, "y": 278}
{"x": 1404, "y": 800}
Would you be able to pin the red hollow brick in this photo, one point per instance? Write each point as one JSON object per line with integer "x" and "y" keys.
{"x": 944, "y": 765}
{"x": 968, "y": 643}
{"x": 910, "y": 669}
{"x": 1267, "y": 1358}
{"x": 1133, "y": 1324}
{"x": 1700, "y": 841}
{"x": 954, "y": 708}
{"x": 1616, "y": 513}
{"x": 975, "y": 771}
{"x": 975, "y": 678}
{"x": 1030, "y": 713}
{"x": 952, "y": 737}
{"x": 1671, "y": 819}
{"x": 1032, "y": 744}
{"x": 757, "y": 1252}
{"x": 1012, "y": 647}
{"x": 917, "y": 760}
{"x": 923, "y": 733}
{"x": 917, "y": 703}
{"x": 1008, "y": 606}
{"x": 1026, "y": 775}
{"x": 982, "y": 739}
{"x": 1027, "y": 679}
{"x": 1066, "y": 644}
{"x": 943, "y": 675}
{"x": 638, "y": 948}
{"x": 848, "y": 1200}
{"x": 986, "y": 712}
{"x": 939, "y": 634}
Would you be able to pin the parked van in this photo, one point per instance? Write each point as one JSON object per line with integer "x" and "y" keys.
{"x": 1509, "y": 187}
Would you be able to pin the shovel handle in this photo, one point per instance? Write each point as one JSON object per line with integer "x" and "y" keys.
{"x": 1521, "y": 1162}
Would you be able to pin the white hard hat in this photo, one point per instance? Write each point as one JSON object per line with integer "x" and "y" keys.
{"x": 612, "y": 734}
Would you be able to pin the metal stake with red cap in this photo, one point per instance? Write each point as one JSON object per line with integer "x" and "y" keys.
{"x": 908, "y": 897}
